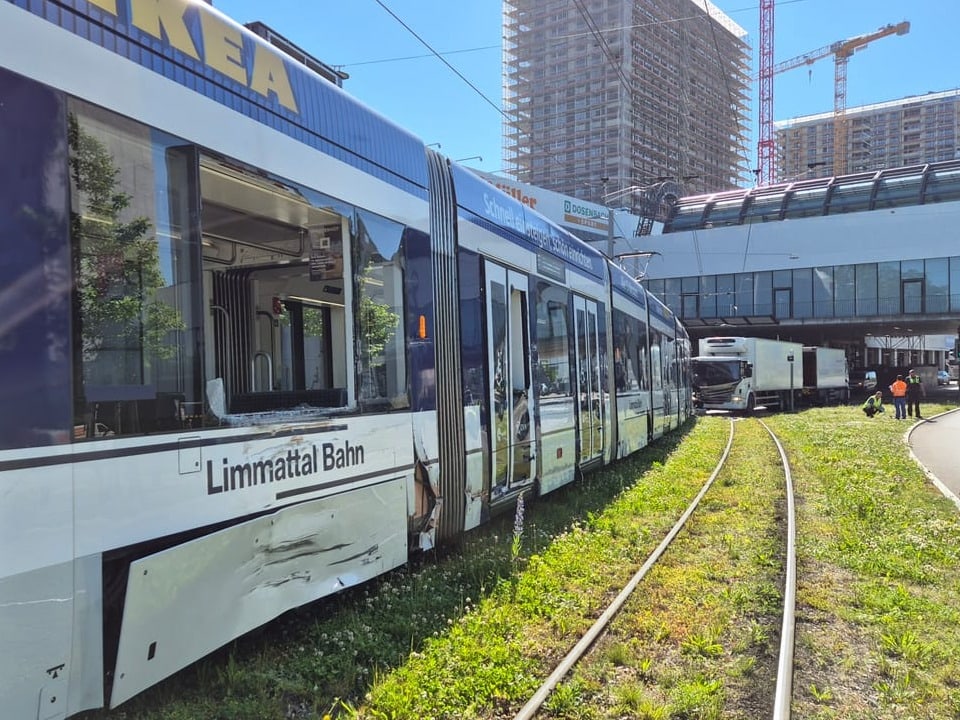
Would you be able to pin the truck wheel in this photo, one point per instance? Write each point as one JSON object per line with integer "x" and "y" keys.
{"x": 751, "y": 404}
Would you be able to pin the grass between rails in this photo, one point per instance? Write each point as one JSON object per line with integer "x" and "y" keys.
{"x": 491, "y": 663}
{"x": 878, "y": 628}
{"x": 699, "y": 638}
{"x": 472, "y": 634}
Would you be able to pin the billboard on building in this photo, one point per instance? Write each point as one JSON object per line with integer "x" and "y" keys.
{"x": 589, "y": 221}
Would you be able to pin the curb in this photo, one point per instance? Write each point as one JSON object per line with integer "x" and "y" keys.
{"x": 944, "y": 490}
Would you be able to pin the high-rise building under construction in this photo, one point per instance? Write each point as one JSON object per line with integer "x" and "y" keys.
{"x": 602, "y": 96}
{"x": 914, "y": 130}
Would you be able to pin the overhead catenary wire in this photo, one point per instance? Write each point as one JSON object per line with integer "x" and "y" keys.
{"x": 459, "y": 74}
{"x": 597, "y": 34}
{"x": 440, "y": 57}
{"x": 571, "y": 36}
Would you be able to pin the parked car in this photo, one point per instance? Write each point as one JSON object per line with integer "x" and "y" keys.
{"x": 943, "y": 377}
{"x": 862, "y": 380}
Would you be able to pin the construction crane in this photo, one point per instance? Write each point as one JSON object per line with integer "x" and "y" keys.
{"x": 841, "y": 50}
{"x": 766, "y": 149}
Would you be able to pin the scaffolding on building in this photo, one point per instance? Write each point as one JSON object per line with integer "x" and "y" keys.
{"x": 599, "y": 96}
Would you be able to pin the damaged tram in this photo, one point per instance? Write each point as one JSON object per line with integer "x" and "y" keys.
{"x": 259, "y": 344}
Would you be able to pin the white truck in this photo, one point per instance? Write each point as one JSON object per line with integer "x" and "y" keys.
{"x": 740, "y": 373}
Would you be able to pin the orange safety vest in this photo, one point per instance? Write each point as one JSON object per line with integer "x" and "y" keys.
{"x": 899, "y": 388}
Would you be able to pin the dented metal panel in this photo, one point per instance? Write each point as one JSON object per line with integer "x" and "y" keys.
{"x": 189, "y": 600}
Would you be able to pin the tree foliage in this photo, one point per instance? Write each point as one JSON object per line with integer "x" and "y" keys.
{"x": 118, "y": 265}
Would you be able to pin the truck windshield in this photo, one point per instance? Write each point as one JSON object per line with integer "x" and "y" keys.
{"x": 715, "y": 372}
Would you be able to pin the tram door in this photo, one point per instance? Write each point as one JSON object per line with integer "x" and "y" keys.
{"x": 589, "y": 379}
{"x": 510, "y": 401}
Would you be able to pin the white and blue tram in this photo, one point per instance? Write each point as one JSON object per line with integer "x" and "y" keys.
{"x": 258, "y": 344}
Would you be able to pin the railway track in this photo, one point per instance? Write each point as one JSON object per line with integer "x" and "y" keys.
{"x": 784, "y": 675}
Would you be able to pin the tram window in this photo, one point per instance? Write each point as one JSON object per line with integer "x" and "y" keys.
{"x": 669, "y": 354}
{"x": 626, "y": 368}
{"x": 553, "y": 341}
{"x": 35, "y": 272}
{"x": 472, "y": 330}
{"x": 274, "y": 262}
{"x": 135, "y": 351}
{"x": 643, "y": 360}
{"x": 378, "y": 287}
{"x": 656, "y": 358}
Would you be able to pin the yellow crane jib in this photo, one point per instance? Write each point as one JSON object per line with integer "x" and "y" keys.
{"x": 841, "y": 51}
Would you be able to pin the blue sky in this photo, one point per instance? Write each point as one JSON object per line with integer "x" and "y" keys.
{"x": 394, "y": 73}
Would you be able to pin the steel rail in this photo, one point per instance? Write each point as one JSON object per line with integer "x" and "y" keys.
{"x": 540, "y": 696}
{"x": 784, "y": 691}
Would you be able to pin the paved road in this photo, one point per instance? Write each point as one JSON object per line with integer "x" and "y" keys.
{"x": 936, "y": 445}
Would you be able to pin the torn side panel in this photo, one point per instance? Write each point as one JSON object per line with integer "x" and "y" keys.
{"x": 187, "y": 601}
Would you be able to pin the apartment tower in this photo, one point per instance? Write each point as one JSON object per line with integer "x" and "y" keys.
{"x": 915, "y": 130}
{"x": 606, "y": 96}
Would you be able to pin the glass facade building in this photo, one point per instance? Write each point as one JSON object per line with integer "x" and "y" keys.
{"x": 868, "y": 262}
{"x": 864, "y": 290}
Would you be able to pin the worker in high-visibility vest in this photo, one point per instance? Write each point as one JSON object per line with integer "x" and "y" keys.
{"x": 873, "y": 405}
{"x": 915, "y": 391}
{"x": 899, "y": 391}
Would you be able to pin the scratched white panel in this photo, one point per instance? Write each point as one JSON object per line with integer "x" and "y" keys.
{"x": 558, "y": 454}
{"x": 189, "y": 600}
{"x": 134, "y": 497}
{"x": 36, "y": 613}
{"x": 632, "y": 426}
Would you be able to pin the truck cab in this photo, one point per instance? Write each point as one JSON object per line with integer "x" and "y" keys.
{"x": 717, "y": 379}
